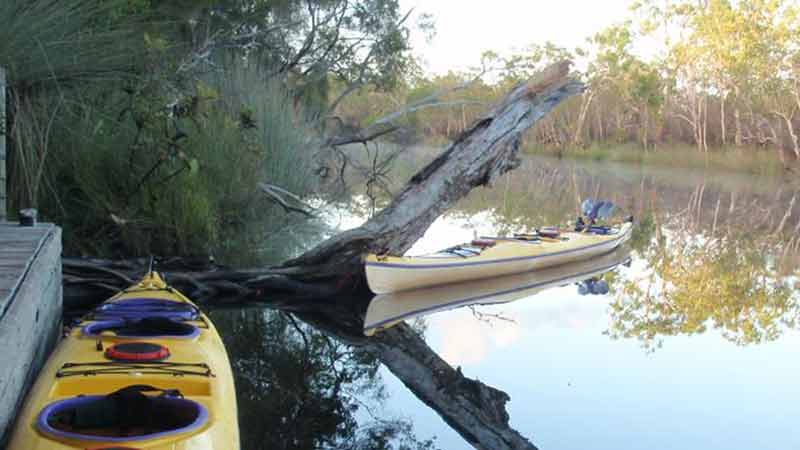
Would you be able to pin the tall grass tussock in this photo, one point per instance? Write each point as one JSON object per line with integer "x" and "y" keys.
{"x": 130, "y": 158}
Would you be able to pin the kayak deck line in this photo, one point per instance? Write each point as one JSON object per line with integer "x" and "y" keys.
{"x": 139, "y": 367}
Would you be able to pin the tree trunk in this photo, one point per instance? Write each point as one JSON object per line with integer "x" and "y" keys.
{"x": 577, "y": 138}
{"x": 322, "y": 284}
{"x": 645, "y": 118}
{"x": 704, "y": 130}
{"x": 722, "y": 118}
{"x": 463, "y": 119}
{"x": 698, "y": 129}
{"x": 738, "y": 123}
{"x": 774, "y": 138}
{"x": 601, "y": 133}
{"x": 447, "y": 132}
{"x": 787, "y": 119}
{"x": 737, "y": 120}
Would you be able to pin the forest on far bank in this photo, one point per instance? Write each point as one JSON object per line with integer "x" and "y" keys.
{"x": 727, "y": 75}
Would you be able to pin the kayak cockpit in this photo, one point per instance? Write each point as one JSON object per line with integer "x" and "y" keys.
{"x": 146, "y": 327}
{"x": 133, "y": 308}
{"x": 124, "y": 415}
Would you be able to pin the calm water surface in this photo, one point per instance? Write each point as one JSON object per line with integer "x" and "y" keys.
{"x": 694, "y": 347}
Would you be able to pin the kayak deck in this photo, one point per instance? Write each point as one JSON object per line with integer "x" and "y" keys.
{"x": 387, "y": 274}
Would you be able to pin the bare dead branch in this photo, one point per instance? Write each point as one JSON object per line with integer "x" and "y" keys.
{"x": 278, "y": 194}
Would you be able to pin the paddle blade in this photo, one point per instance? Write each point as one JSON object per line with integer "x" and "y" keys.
{"x": 586, "y": 206}
{"x": 596, "y": 209}
{"x": 606, "y": 210}
{"x": 599, "y": 287}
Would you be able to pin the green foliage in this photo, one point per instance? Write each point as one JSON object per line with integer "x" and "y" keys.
{"x": 354, "y": 43}
{"x": 122, "y": 135}
{"x": 136, "y": 177}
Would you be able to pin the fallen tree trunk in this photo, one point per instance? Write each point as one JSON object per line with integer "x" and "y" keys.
{"x": 481, "y": 154}
{"x": 313, "y": 284}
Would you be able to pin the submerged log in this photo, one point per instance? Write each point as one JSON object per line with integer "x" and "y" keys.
{"x": 325, "y": 286}
{"x": 474, "y": 410}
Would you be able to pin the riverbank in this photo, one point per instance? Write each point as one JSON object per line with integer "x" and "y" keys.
{"x": 740, "y": 159}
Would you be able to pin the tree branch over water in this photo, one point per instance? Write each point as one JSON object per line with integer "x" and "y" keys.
{"x": 480, "y": 155}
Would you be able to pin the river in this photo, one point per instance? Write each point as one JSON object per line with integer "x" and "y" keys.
{"x": 694, "y": 346}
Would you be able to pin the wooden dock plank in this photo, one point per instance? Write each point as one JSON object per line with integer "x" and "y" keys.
{"x": 18, "y": 248}
{"x": 30, "y": 310}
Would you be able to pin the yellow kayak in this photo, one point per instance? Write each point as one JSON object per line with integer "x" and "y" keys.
{"x": 490, "y": 257}
{"x": 144, "y": 370}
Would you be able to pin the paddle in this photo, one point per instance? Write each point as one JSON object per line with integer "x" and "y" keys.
{"x": 595, "y": 210}
{"x": 586, "y": 206}
{"x": 606, "y": 210}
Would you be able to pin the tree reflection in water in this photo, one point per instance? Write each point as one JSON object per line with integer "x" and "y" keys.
{"x": 694, "y": 283}
{"x": 299, "y": 389}
{"x": 730, "y": 252}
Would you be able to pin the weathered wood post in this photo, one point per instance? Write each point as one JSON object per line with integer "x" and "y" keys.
{"x": 2, "y": 145}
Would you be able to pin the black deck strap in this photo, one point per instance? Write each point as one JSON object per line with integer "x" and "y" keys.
{"x": 143, "y": 367}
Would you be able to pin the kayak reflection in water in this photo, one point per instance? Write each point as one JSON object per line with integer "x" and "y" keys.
{"x": 592, "y": 286}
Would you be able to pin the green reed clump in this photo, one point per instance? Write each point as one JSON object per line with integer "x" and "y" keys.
{"x": 44, "y": 42}
{"x": 49, "y": 47}
{"x": 132, "y": 155}
{"x": 141, "y": 172}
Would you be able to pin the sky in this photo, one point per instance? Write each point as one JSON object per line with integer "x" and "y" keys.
{"x": 464, "y": 29}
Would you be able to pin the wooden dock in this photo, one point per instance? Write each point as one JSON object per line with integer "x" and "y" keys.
{"x": 30, "y": 309}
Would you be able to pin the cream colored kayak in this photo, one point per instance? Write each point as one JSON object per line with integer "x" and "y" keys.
{"x": 386, "y": 310}
{"x": 387, "y": 274}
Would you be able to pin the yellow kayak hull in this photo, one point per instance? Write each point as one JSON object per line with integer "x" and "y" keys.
{"x": 212, "y": 387}
{"x": 394, "y": 274}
